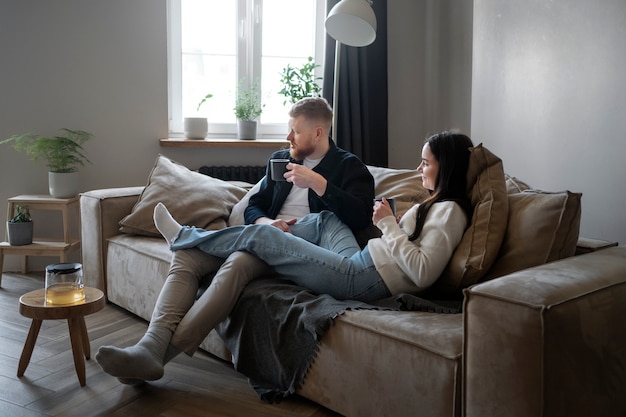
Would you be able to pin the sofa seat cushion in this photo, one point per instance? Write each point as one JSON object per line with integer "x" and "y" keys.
{"x": 438, "y": 333}
{"x": 129, "y": 254}
{"x": 421, "y": 353}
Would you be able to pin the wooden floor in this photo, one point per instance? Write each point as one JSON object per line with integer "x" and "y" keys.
{"x": 198, "y": 386}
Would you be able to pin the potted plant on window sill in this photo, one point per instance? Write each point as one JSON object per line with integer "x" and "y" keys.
{"x": 299, "y": 83}
{"x": 197, "y": 127}
{"x": 248, "y": 108}
{"x": 63, "y": 155}
{"x": 20, "y": 227}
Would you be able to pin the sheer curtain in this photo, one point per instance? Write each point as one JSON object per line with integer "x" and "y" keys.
{"x": 362, "y": 105}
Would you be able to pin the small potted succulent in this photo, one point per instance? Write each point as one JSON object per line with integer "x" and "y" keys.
{"x": 248, "y": 108}
{"x": 63, "y": 154}
{"x": 20, "y": 227}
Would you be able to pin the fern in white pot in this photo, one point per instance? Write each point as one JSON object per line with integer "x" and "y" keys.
{"x": 63, "y": 154}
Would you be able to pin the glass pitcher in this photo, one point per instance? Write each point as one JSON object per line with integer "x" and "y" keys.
{"x": 64, "y": 284}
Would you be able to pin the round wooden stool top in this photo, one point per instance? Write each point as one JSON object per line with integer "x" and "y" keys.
{"x": 33, "y": 305}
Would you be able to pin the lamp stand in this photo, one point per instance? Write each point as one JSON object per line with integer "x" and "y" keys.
{"x": 336, "y": 90}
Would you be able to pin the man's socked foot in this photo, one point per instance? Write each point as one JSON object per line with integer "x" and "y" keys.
{"x": 133, "y": 362}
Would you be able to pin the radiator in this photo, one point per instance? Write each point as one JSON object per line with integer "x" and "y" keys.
{"x": 251, "y": 174}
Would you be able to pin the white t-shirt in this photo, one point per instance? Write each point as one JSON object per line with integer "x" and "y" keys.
{"x": 297, "y": 203}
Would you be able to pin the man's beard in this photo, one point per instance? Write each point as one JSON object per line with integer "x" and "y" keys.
{"x": 299, "y": 152}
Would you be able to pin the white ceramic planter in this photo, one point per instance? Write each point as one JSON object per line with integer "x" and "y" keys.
{"x": 63, "y": 184}
{"x": 195, "y": 127}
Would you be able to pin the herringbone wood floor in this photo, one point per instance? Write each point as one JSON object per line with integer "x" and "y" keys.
{"x": 198, "y": 386}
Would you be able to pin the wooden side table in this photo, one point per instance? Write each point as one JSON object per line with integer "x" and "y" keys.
{"x": 33, "y": 305}
{"x": 40, "y": 247}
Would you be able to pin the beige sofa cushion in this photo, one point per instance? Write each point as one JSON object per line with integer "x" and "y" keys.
{"x": 404, "y": 185}
{"x": 543, "y": 227}
{"x": 515, "y": 185}
{"x": 193, "y": 199}
{"x": 481, "y": 242}
{"x": 236, "y": 216}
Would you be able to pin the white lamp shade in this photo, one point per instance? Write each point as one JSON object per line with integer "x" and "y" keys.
{"x": 352, "y": 22}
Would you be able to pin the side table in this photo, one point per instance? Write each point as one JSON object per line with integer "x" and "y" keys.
{"x": 33, "y": 305}
{"x": 39, "y": 247}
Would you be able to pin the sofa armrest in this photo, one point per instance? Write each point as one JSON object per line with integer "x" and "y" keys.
{"x": 100, "y": 213}
{"x": 548, "y": 340}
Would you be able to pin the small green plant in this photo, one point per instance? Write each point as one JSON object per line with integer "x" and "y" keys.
{"x": 248, "y": 104}
{"x": 204, "y": 99}
{"x": 22, "y": 215}
{"x": 299, "y": 83}
{"x": 61, "y": 153}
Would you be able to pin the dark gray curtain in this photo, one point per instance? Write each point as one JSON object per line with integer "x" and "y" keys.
{"x": 362, "y": 105}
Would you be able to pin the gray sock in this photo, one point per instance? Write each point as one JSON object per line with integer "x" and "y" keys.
{"x": 170, "y": 354}
{"x": 143, "y": 361}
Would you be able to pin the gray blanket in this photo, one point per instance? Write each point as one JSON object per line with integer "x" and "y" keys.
{"x": 274, "y": 331}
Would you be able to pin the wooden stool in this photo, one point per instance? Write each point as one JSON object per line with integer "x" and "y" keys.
{"x": 33, "y": 305}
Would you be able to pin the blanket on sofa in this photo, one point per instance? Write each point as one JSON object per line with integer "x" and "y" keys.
{"x": 274, "y": 330}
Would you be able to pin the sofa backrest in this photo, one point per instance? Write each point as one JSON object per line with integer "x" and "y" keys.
{"x": 513, "y": 227}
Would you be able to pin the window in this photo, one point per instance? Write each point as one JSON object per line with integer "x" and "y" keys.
{"x": 214, "y": 45}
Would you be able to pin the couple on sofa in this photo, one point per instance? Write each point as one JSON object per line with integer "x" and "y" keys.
{"x": 319, "y": 251}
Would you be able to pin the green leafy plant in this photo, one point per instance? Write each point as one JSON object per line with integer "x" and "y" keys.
{"x": 22, "y": 215}
{"x": 248, "y": 104}
{"x": 299, "y": 83}
{"x": 204, "y": 99}
{"x": 61, "y": 153}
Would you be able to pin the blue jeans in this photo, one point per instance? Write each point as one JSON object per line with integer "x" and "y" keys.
{"x": 321, "y": 254}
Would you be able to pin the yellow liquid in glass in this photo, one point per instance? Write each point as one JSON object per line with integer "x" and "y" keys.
{"x": 64, "y": 293}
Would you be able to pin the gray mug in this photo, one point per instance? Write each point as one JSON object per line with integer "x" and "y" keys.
{"x": 391, "y": 201}
{"x": 277, "y": 168}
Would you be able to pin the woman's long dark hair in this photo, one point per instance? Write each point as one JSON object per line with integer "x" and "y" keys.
{"x": 452, "y": 152}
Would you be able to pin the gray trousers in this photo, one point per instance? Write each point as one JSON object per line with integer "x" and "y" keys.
{"x": 191, "y": 320}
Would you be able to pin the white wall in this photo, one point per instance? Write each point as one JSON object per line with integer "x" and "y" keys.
{"x": 429, "y": 71}
{"x": 99, "y": 66}
{"x": 549, "y": 98}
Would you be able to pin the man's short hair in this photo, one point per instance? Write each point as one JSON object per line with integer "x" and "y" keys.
{"x": 313, "y": 108}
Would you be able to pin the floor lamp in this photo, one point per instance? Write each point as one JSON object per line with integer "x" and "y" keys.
{"x": 353, "y": 23}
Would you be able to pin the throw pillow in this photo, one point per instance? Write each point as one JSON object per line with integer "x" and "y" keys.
{"x": 193, "y": 199}
{"x": 543, "y": 227}
{"x": 405, "y": 185}
{"x": 515, "y": 185}
{"x": 481, "y": 242}
{"x": 237, "y": 213}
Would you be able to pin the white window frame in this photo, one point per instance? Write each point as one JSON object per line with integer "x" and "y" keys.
{"x": 250, "y": 23}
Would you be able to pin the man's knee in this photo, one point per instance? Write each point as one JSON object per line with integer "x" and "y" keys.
{"x": 194, "y": 262}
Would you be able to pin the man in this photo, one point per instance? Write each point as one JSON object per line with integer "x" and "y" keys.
{"x": 320, "y": 176}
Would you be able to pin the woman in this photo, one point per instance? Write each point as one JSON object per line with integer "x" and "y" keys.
{"x": 322, "y": 254}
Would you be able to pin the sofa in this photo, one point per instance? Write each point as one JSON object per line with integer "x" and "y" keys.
{"x": 541, "y": 332}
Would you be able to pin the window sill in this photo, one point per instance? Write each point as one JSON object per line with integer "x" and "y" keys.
{"x": 222, "y": 143}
